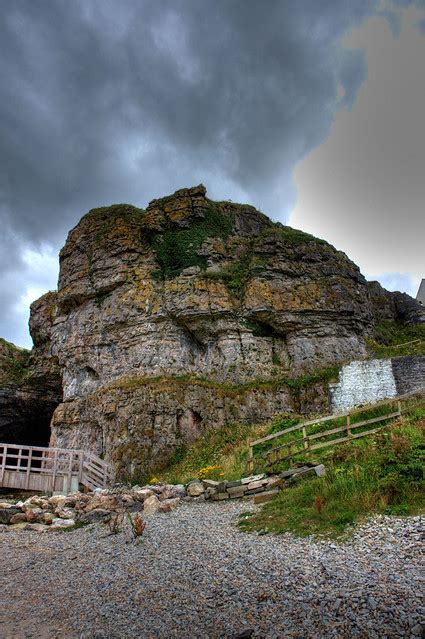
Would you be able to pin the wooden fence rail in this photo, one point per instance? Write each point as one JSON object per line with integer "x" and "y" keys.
{"x": 305, "y": 442}
{"x": 51, "y": 469}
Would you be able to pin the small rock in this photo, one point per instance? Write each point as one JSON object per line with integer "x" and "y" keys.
{"x": 151, "y": 505}
{"x": 195, "y": 488}
{"x": 251, "y": 478}
{"x": 265, "y": 496}
{"x": 168, "y": 505}
{"x": 58, "y": 524}
{"x": 320, "y": 470}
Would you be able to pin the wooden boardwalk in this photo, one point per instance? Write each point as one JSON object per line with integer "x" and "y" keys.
{"x": 51, "y": 470}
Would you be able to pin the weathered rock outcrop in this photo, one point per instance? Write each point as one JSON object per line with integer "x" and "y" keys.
{"x": 190, "y": 314}
{"x": 30, "y": 390}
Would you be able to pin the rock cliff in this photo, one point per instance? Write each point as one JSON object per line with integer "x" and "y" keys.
{"x": 192, "y": 313}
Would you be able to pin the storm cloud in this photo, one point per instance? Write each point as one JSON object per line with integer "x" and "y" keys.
{"x": 107, "y": 102}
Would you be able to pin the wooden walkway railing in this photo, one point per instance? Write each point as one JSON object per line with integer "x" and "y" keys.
{"x": 51, "y": 469}
{"x": 305, "y": 436}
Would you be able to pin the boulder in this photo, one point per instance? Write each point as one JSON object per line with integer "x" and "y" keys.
{"x": 320, "y": 470}
{"x": 267, "y": 495}
{"x": 62, "y": 501}
{"x": 33, "y": 514}
{"x": 151, "y": 505}
{"x": 6, "y": 514}
{"x": 60, "y": 524}
{"x": 19, "y": 518}
{"x": 65, "y": 513}
{"x": 142, "y": 493}
{"x": 47, "y": 518}
{"x": 195, "y": 488}
{"x": 178, "y": 490}
{"x": 94, "y": 516}
{"x": 103, "y": 501}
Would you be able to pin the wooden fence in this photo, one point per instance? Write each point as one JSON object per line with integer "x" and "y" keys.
{"x": 306, "y": 436}
{"x": 51, "y": 470}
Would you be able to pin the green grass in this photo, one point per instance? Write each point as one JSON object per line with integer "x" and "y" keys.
{"x": 178, "y": 248}
{"x": 225, "y": 388}
{"x": 390, "y": 336}
{"x": 76, "y": 526}
{"x": 296, "y": 437}
{"x": 220, "y": 453}
{"x": 379, "y": 474}
{"x": 14, "y": 363}
{"x": 291, "y": 235}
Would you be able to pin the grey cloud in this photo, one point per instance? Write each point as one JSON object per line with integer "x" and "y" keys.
{"x": 104, "y": 102}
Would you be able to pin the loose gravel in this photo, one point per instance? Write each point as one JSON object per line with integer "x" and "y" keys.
{"x": 193, "y": 574}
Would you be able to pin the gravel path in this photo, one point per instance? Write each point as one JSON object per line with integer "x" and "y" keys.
{"x": 193, "y": 574}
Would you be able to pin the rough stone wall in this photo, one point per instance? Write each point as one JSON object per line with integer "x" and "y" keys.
{"x": 363, "y": 383}
{"x": 409, "y": 373}
{"x": 367, "y": 382}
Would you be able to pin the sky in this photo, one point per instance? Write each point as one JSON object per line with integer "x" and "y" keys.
{"x": 311, "y": 111}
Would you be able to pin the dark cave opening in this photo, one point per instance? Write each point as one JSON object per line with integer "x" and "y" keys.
{"x": 25, "y": 419}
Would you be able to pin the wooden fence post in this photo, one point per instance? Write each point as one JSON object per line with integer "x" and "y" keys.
{"x": 29, "y": 462}
{"x": 305, "y": 440}
{"x": 251, "y": 459}
{"x": 348, "y": 425}
{"x": 3, "y": 462}
{"x": 55, "y": 465}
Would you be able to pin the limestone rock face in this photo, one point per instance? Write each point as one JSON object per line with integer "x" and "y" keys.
{"x": 187, "y": 315}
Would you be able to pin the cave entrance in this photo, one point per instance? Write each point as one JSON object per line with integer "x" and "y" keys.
{"x": 26, "y": 420}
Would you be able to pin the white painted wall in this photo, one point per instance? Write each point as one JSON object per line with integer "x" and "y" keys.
{"x": 362, "y": 382}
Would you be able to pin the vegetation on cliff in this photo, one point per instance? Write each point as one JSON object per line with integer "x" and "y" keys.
{"x": 178, "y": 248}
{"x": 14, "y": 363}
{"x": 394, "y": 339}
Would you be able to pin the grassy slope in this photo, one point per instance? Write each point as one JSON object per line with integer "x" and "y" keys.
{"x": 390, "y": 337}
{"x": 379, "y": 474}
{"x": 222, "y": 452}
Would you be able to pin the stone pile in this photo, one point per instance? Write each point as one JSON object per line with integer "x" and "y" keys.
{"x": 261, "y": 488}
{"x": 42, "y": 513}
